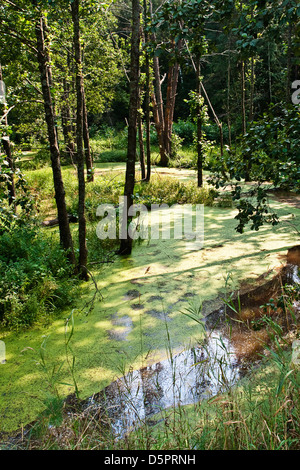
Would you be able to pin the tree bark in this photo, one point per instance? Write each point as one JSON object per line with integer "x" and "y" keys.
{"x": 173, "y": 74}
{"x": 147, "y": 96}
{"x": 163, "y": 116}
{"x": 252, "y": 89}
{"x": 158, "y": 111}
{"x": 86, "y": 140}
{"x": 7, "y": 149}
{"x": 228, "y": 94}
{"x": 141, "y": 146}
{"x": 66, "y": 122}
{"x": 83, "y": 254}
{"x": 199, "y": 130}
{"x": 126, "y": 241}
{"x": 270, "y": 75}
{"x": 289, "y": 63}
{"x": 243, "y": 97}
{"x": 64, "y": 228}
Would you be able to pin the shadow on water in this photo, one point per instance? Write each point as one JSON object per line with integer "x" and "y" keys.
{"x": 192, "y": 375}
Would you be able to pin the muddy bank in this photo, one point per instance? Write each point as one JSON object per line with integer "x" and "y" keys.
{"x": 250, "y": 316}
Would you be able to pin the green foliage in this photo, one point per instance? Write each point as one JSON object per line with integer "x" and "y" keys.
{"x": 272, "y": 145}
{"x": 23, "y": 207}
{"x": 106, "y": 189}
{"x": 257, "y": 212}
{"x": 109, "y": 144}
{"x": 36, "y": 277}
{"x": 170, "y": 191}
{"x": 185, "y": 130}
{"x": 269, "y": 151}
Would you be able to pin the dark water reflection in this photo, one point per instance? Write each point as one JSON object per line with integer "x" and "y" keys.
{"x": 186, "y": 378}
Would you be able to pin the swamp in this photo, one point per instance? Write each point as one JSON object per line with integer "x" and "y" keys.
{"x": 149, "y": 225}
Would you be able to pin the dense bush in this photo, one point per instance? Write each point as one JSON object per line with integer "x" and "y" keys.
{"x": 35, "y": 278}
{"x": 35, "y": 274}
{"x": 272, "y": 145}
{"x": 171, "y": 191}
{"x": 109, "y": 145}
{"x": 185, "y": 130}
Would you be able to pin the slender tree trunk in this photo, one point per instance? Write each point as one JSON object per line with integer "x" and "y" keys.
{"x": 243, "y": 97}
{"x": 142, "y": 149}
{"x": 252, "y": 82}
{"x": 126, "y": 240}
{"x": 11, "y": 182}
{"x": 141, "y": 142}
{"x": 158, "y": 110}
{"x": 86, "y": 140}
{"x": 163, "y": 116}
{"x": 173, "y": 75}
{"x": 270, "y": 75}
{"x": 66, "y": 122}
{"x": 228, "y": 95}
{"x": 47, "y": 44}
{"x": 7, "y": 149}
{"x": 157, "y": 98}
{"x": 252, "y": 87}
{"x": 289, "y": 63}
{"x": 83, "y": 254}
{"x": 199, "y": 129}
{"x": 64, "y": 228}
{"x": 247, "y": 163}
{"x": 147, "y": 96}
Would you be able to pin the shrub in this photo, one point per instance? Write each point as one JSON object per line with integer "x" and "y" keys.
{"x": 170, "y": 191}
{"x": 185, "y": 130}
{"x": 35, "y": 277}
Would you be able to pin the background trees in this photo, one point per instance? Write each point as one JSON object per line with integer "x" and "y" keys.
{"x": 235, "y": 60}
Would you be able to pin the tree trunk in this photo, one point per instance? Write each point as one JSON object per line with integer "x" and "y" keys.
{"x": 141, "y": 146}
{"x": 252, "y": 89}
{"x": 7, "y": 149}
{"x": 199, "y": 130}
{"x": 228, "y": 94}
{"x": 247, "y": 163}
{"x": 66, "y": 122}
{"x": 64, "y": 228}
{"x": 86, "y": 140}
{"x": 173, "y": 75}
{"x": 11, "y": 182}
{"x": 126, "y": 240}
{"x": 270, "y": 75}
{"x": 158, "y": 111}
{"x": 163, "y": 116}
{"x": 147, "y": 95}
{"x": 83, "y": 254}
{"x": 243, "y": 99}
{"x": 289, "y": 63}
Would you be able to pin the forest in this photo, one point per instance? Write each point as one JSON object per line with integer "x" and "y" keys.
{"x": 149, "y": 225}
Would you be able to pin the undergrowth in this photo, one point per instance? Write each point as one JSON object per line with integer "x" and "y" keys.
{"x": 36, "y": 278}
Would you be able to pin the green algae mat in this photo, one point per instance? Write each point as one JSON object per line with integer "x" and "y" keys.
{"x": 138, "y": 315}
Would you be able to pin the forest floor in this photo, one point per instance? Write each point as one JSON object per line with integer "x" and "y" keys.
{"x": 139, "y": 311}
